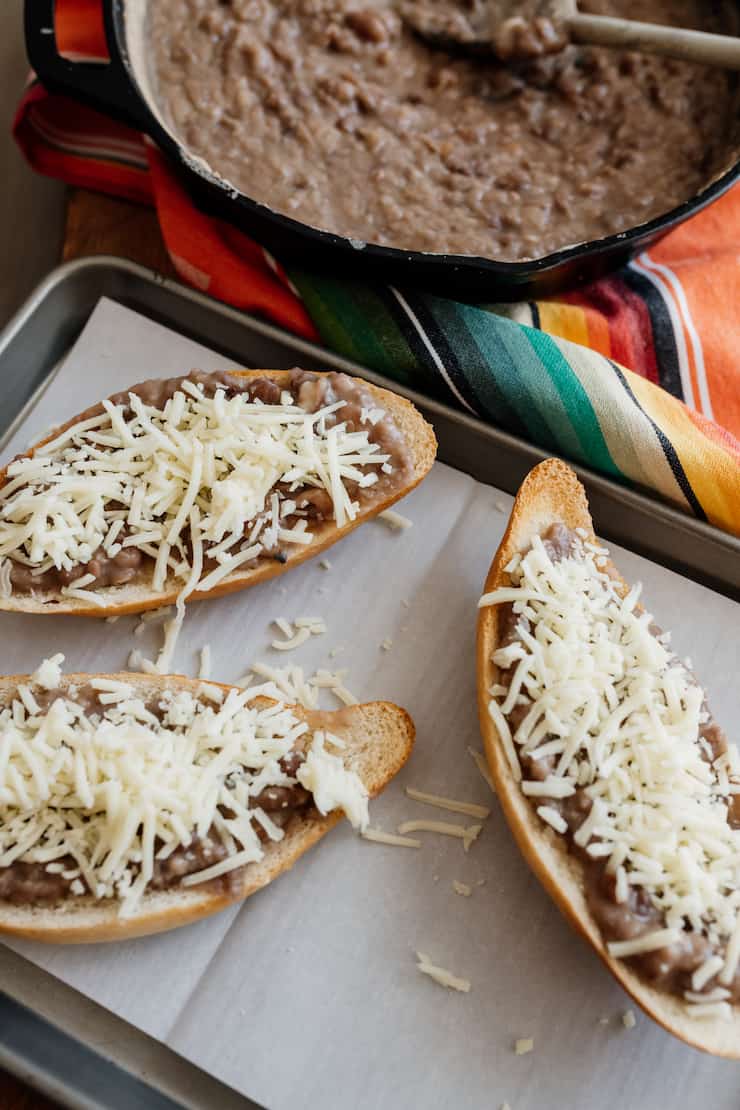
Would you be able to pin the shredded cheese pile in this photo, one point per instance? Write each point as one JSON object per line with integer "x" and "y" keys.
{"x": 611, "y": 710}
{"x": 119, "y": 790}
{"x": 194, "y": 479}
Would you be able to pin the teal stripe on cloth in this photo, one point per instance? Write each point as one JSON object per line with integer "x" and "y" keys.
{"x": 510, "y": 361}
{"x": 575, "y": 400}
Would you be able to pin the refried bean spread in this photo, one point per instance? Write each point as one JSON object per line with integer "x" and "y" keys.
{"x": 335, "y": 112}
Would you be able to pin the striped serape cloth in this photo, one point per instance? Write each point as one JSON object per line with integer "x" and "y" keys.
{"x": 636, "y": 375}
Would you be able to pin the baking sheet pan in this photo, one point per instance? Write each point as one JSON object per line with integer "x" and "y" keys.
{"x": 309, "y": 992}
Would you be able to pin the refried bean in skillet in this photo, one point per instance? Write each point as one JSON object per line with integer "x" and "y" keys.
{"x": 335, "y": 113}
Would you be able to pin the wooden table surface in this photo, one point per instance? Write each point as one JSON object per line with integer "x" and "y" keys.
{"x": 97, "y": 225}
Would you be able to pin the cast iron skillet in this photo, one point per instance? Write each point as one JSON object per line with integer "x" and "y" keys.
{"x": 117, "y": 90}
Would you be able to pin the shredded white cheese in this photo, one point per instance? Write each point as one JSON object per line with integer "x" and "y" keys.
{"x": 466, "y": 834}
{"x": 291, "y": 684}
{"x": 6, "y": 586}
{"x": 332, "y": 785}
{"x": 441, "y": 975}
{"x": 183, "y": 481}
{"x": 380, "y": 837}
{"x": 606, "y": 708}
{"x": 204, "y": 670}
{"x": 629, "y": 1020}
{"x": 395, "y": 520}
{"x": 49, "y": 673}
{"x": 523, "y": 1046}
{"x": 106, "y": 787}
{"x": 463, "y": 889}
{"x": 470, "y": 809}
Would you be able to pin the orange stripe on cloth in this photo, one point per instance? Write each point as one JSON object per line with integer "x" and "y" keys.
{"x": 208, "y": 256}
{"x": 564, "y": 320}
{"x": 710, "y": 462}
{"x": 710, "y": 280}
{"x": 712, "y": 233}
{"x": 571, "y": 317}
{"x": 79, "y": 30}
{"x": 597, "y": 326}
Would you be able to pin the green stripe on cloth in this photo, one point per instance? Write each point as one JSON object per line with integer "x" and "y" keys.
{"x": 354, "y": 321}
{"x": 513, "y": 362}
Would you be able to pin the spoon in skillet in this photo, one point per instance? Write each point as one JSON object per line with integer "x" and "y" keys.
{"x": 498, "y": 28}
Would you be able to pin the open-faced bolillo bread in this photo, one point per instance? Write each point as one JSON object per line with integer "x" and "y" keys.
{"x": 552, "y": 494}
{"x": 137, "y": 595}
{"x": 378, "y": 739}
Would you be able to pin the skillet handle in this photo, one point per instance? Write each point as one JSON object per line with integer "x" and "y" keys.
{"x": 105, "y": 86}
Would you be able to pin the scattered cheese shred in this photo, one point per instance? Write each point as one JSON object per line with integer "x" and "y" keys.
{"x": 204, "y": 670}
{"x": 523, "y": 1046}
{"x": 629, "y": 1021}
{"x": 441, "y": 975}
{"x": 470, "y": 809}
{"x": 297, "y": 633}
{"x": 395, "y": 520}
{"x": 467, "y": 834}
{"x": 462, "y": 888}
{"x": 380, "y": 837}
{"x": 298, "y": 638}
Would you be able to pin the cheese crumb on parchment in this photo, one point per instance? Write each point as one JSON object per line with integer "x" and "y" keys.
{"x": 523, "y": 1046}
{"x": 470, "y": 809}
{"x": 468, "y": 834}
{"x": 380, "y": 837}
{"x": 441, "y": 975}
{"x": 297, "y": 633}
{"x": 397, "y": 521}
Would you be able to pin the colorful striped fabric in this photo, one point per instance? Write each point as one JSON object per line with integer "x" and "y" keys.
{"x": 636, "y": 375}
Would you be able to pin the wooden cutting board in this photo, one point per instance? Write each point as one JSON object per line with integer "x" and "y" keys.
{"x": 97, "y": 224}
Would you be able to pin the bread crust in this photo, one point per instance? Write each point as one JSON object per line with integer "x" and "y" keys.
{"x": 379, "y": 738}
{"x": 137, "y": 596}
{"x": 551, "y": 493}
